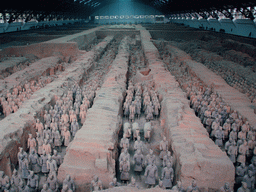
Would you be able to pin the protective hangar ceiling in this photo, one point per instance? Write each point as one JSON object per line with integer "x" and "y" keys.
{"x": 82, "y": 9}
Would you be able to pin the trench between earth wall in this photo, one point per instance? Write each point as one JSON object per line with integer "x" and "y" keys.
{"x": 16, "y": 127}
{"x": 94, "y": 148}
{"x": 196, "y": 155}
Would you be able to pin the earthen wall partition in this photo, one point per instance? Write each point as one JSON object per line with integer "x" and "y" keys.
{"x": 67, "y": 46}
{"x": 237, "y": 100}
{"x": 16, "y": 127}
{"x": 196, "y": 155}
{"x": 94, "y": 148}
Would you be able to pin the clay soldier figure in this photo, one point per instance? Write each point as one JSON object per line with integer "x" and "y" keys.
{"x": 167, "y": 158}
{"x": 138, "y": 160}
{"x": 178, "y": 187}
{"x": 124, "y": 169}
{"x": 151, "y": 174}
{"x": 66, "y": 189}
{"x": 226, "y": 128}
{"x": 114, "y": 183}
{"x": 20, "y": 154}
{"x": 243, "y": 188}
{"x": 52, "y": 182}
{"x": 132, "y": 111}
{"x": 124, "y": 155}
{"x": 5, "y": 180}
{"x": 47, "y": 147}
{"x": 9, "y": 188}
{"x": 232, "y": 152}
{"x": 39, "y": 127}
{"x": 226, "y": 188}
{"x": 52, "y": 166}
{"x": 240, "y": 172}
{"x": 250, "y": 180}
{"x": 167, "y": 176}
{"x": 219, "y": 135}
{"x": 150, "y": 158}
{"x": 23, "y": 187}
{"x": 24, "y": 167}
{"x": 47, "y": 118}
{"x": 57, "y": 157}
{"x": 138, "y": 144}
{"x": 74, "y": 127}
{"x": 33, "y": 181}
{"x": 163, "y": 148}
{"x": 82, "y": 116}
{"x": 96, "y": 184}
{"x": 46, "y": 188}
{"x": 34, "y": 161}
{"x": 149, "y": 112}
{"x": 133, "y": 183}
{"x": 243, "y": 152}
{"x": 242, "y": 133}
{"x": 43, "y": 162}
{"x": 57, "y": 139}
{"x": 16, "y": 179}
{"x": 126, "y": 109}
{"x": 233, "y": 135}
{"x": 228, "y": 144}
{"x": 193, "y": 187}
{"x": 65, "y": 118}
{"x": 69, "y": 182}
{"x": 40, "y": 143}
{"x": 47, "y": 132}
{"x": 124, "y": 143}
{"x": 67, "y": 137}
{"x": 136, "y": 133}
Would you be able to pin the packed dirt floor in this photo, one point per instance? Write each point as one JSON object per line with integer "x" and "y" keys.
{"x": 127, "y": 108}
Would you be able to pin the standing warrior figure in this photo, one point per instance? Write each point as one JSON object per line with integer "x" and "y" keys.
{"x": 69, "y": 182}
{"x": 52, "y": 166}
{"x": 67, "y": 137}
{"x": 151, "y": 174}
{"x": 124, "y": 169}
{"x": 150, "y": 158}
{"x": 167, "y": 158}
{"x": 226, "y": 188}
{"x": 33, "y": 181}
{"x": 127, "y": 130}
{"x": 52, "y": 183}
{"x": 39, "y": 127}
{"x": 243, "y": 152}
{"x": 138, "y": 144}
{"x": 40, "y": 142}
{"x": 167, "y": 176}
{"x": 163, "y": 148}
{"x": 31, "y": 143}
{"x": 138, "y": 160}
{"x": 96, "y": 184}
{"x": 74, "y": 127}
{"x": 124, "y": 143}
{"x": 43, "y": 162}
{"x": 24, "y": 167}
{"x": 57, "y": 157}
{"x": 16, "y": 179}
{"x": 147, "y": 131}
{"x": 232, "y": 152}
{"x": 34, "y": 161}
{"x": 47, "y": 147}
{"x": 21, "y": 154}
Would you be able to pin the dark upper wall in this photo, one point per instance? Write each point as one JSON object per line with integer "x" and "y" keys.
{"x": 126, "y": 8}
